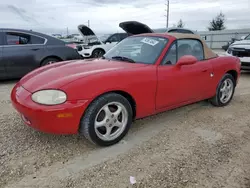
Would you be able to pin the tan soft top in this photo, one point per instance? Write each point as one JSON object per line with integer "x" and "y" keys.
{"x": 207, "y": 51}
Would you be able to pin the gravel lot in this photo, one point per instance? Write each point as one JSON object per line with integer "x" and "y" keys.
{"x": 194, "y": 146}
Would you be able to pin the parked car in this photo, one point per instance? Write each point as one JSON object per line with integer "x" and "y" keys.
{"x": 175, "y": 30}
{"x": 147, "y": 29}
{"x": 225, "y": 47}
{"x": 99, "y": 98}
{"x": 241, "y": 49}
{"x": 93, "y": 47}
{"x": 22, "y": 51}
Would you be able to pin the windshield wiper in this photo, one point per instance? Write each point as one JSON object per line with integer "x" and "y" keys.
{"x": 122, "y": 58}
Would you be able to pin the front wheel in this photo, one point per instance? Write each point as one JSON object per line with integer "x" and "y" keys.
{"x": 107, "y": 120}
{"x": 97, "y": 53}
{"x": 225, "y": 91}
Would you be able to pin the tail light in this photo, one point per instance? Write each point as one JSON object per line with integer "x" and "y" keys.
{"x": 71, "y": 45}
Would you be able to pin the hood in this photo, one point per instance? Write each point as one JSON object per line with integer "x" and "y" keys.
{"x": 56, "y": 75}
{"x": 88, "y": 34}
{"x": 241, "y": 44}
{"x": 134, "y": 27}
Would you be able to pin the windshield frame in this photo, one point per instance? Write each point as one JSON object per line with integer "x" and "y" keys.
{"x": 247, "y": 37}
{"x": 141, "y": 36}
{"x": 104, "y": 37}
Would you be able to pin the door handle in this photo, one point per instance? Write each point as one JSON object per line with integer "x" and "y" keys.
{"x": 35, "y": 49}
{"x": 204, "y": 70}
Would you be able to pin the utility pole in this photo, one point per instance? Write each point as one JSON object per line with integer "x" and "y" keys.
{"x": 167, "y": 16}
{"x": 88, "y": 23}
{"x": 67, "y": 31}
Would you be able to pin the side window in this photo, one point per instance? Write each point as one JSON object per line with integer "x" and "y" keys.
{"x": 123, "y": 36}
{"x": 1, "y": 39}
{"x": 114, "y": 38}
{"x": 171, "y": 56}
{"x": 37, "y": 40}
{"x": 190, "y": 47}
{"x": 17, "y": 38}
{"x": 22, "y": 39}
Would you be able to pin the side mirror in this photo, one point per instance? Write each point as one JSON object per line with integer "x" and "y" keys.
{"x": 186, "y": 60}
{"x": 242, "y": 38}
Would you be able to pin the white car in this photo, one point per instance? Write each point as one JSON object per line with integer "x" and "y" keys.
{"x": 241, "y": 49}
{"x": 94, "y": 47}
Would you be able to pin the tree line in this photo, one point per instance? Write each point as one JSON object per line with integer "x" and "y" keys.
{"x": 217, "y": 23}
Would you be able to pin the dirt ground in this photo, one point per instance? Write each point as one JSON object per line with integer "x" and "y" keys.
{"x": 194, "y": 146}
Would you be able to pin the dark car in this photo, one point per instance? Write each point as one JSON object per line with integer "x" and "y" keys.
{"x": 22, "y": 51}
{"x": 175, "y": 30}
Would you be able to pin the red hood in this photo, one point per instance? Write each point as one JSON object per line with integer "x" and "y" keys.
{"x": 58, "y": 74}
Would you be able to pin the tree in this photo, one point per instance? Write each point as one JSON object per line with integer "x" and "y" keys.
{"x": 180, "y": 24}
{"x": 218, "y": 23}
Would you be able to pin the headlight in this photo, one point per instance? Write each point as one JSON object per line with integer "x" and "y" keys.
{"x": 86, "y": 47}
{"x": 49, "y": 97}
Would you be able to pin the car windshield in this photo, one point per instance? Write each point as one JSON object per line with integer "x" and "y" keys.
{"x": 103, "y": 38}
{"x": 138, "y": 49}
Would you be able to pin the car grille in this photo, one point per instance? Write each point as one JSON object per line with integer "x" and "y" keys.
{"x": 241, "y": 52}
{"x": 245, "y": 64}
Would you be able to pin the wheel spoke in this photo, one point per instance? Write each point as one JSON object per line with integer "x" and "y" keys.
{"x": 229, "y": 87}
{"x": 108, "y": 131}
{"x": 118, "y": 124}
{"x": 224, "y": 86}
{"x": 101, "y": 123}
{"x": 107, "y": 111}
{"x": 117, "y": 112}
{"x": 222, "y": 96}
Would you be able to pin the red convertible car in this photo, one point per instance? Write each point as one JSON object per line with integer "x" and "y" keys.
{"x": 142, "y": 75}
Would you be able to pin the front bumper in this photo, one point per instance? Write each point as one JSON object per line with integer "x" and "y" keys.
{"x": 85, "y": 53}
{"x": 245, "y": 62}
{"x": 58, "y": 119}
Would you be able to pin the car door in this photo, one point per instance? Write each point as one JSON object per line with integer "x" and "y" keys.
{"x": 186, "y": 84}
{"x": 22, "y": 53}
{"x": 2, "y": 65}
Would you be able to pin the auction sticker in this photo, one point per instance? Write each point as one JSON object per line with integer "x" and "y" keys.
{"x": 149, "y": 41}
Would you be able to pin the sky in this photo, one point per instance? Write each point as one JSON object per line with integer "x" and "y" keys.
{"x": 55, "y": 16}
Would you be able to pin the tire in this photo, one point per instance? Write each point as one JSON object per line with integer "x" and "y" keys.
{"x": 97, "y": 53}
{"x": 108, "y": 121}
{"x": 217, "y": 99}
{"x": 49, "y": 60}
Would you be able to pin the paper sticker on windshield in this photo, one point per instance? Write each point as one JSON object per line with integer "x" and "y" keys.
{"x": 149, "y": 41}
